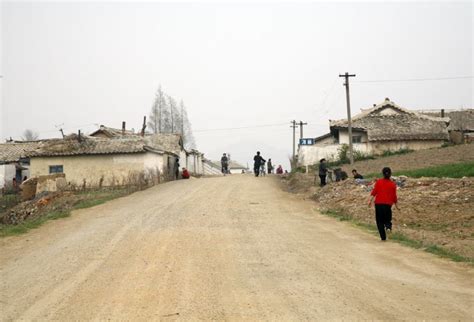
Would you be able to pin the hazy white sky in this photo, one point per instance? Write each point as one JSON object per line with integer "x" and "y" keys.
{"x": 234, "y": 65}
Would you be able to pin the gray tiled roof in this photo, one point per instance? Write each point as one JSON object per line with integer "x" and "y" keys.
{"x": 112, "y": 133}
{"x": 404, "y": 125}
{"x": 13, "y": 151}
{"x": 166, "y": 142}
{"x": 462, "y": 120}
{"x": 87, "y": 145}
{"x": 71, "y": 145}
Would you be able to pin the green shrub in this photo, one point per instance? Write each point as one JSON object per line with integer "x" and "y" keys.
{"x": 457, "y": 170}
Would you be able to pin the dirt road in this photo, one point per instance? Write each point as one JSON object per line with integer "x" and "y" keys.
{"x": 229, "y": 248}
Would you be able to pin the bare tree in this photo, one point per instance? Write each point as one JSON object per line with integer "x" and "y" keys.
{"x": 167, "y": 117}
{"x": 30, "y": 135}
{"x": 186, "y": 130}
{"x": 156, "y": 114}
{"x": 174, "y": 115}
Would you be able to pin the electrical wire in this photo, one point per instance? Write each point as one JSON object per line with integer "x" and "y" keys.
{"x": 240, "y": 128}
{"x": 411, "y": 79}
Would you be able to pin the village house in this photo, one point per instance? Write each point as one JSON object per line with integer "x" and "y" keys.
{"x": 384, "y": 127}
{"x": 194, "y": 162}
{"x": 461, "y": 126}
{"x": 98, "y": 161}
{"x": 189, "y": 159}
{"x": 13, "y": 162}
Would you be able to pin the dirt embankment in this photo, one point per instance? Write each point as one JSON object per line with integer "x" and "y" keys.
{"x": 432, "y": 211}
{"x": 416, "y": 159}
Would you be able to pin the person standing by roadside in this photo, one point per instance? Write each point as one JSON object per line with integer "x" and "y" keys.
{"x": 224, "y": 164}
{"x": 269, "y": 166}
{"x": 385, "y": 195}
{"x": 257, "y": 162}
{"x": 323, "y": 172}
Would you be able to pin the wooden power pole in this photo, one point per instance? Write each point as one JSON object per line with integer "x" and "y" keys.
{"x": 349, "y": 122}
{"x": 294, "y": 126}
{"x": 301, "y": 128}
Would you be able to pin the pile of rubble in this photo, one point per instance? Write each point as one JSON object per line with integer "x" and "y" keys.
{"x": 32, "y": 209}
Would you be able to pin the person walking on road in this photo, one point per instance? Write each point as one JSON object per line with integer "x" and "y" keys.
{"x": 323, "y": 172}
{"x": 224, "y": 164}
{"x": 270, "y": 166}
{"x": 257, "y": 162}
{"x": 385, "y": 194}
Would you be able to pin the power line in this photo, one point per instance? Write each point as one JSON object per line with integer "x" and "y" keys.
{"x": 413, "y": 79}
{"x": 240, "y": 128}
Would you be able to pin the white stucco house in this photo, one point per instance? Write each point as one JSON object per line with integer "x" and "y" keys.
{"x": 194, "y": 162}
{"x": 384, "y": 127}
{"x": 97, "y": 161}
{"x": 236, "y": 168}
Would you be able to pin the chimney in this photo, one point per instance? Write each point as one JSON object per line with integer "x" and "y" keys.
{"x": 123, "y": 128}
{"x": 144, "y": 126}
{"x": 442, "y": 112}
{"x": 79, "y": 138}
{"x": 387, "y": 99}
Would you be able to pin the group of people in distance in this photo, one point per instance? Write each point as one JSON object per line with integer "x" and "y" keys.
{"x": 383, "y": 196}
{"x": 259, "y": 165}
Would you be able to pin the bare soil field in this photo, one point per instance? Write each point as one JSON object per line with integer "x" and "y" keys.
{"x": 432, "y": 211}
{"x": 228, "y": 248}
{"x": 416, "y": 159}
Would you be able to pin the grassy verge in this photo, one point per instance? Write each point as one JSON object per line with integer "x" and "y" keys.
{"x": 399, "y": 237}
{"x": 91, "y": 199}
{"x": 457, "y": 170}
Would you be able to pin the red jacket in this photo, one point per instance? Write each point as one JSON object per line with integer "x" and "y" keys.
{"x": 185, "y": 174}
{"x": 385, "y": 192}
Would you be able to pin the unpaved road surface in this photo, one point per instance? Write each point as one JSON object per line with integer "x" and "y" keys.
{"x": 230, "y": 248}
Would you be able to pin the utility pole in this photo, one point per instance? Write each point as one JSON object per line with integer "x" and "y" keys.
{"x": 301, "y": 129}
{"x": 143, "y": 126}
{"x": 349, "y": 122}
{"x": 294, "y": 126}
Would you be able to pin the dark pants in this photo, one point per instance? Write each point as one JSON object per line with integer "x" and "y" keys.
{"x": 323, "y": 179}
{"x": 256, "y": 169}
{"x": 383, "y": 218}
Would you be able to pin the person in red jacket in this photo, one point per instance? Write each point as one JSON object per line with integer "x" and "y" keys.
{"x": 385, "y": 194}
{"x": 185, "y": 174}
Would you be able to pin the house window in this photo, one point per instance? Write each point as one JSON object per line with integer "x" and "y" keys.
{"x": 55, "y": 169}
{"x": 356, "y": 138}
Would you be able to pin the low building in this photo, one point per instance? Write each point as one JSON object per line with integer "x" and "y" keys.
{"x": 14, "y": 164}
{"x": 236, "y": 168}
{"x": 384, "y": 127}
{"x": 461, "y": 126}
{"x": 194, "y": 162}
{"x": 95, "y": 161}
